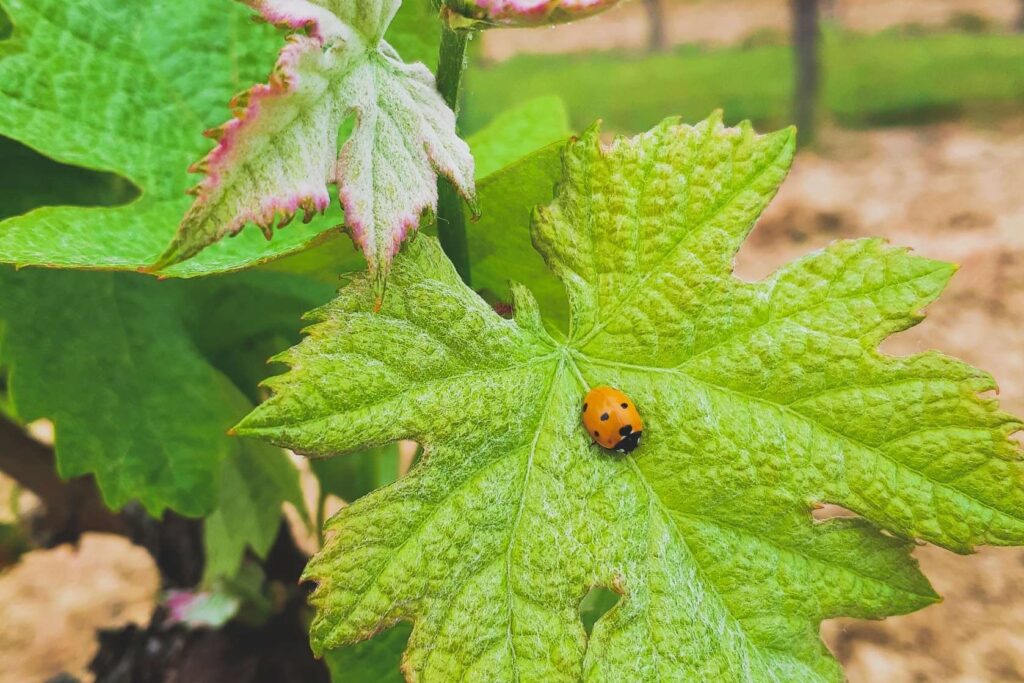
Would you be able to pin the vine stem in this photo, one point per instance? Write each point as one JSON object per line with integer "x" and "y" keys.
{"x": 451, "y": 221}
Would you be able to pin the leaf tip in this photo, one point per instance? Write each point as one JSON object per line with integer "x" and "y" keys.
{"x": 380, "y": 283}
{"x": 163, "y": 261}
{"x": 474, "y": 206}
{"x": 591, "y": 131}
{"x": 243, "y": 427}
{"x": 202, "y": 166}
{"x": 216, "y": 133}
{"x": 791, "y": 134}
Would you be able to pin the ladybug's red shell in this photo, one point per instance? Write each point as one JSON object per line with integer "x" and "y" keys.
{"x": 612, "y": 420}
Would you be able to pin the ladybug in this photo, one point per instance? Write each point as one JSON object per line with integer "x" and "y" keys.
{"x": 611, "y": 419}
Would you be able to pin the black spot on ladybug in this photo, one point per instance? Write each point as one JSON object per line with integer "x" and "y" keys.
{"x": 604, "y": 417}
{"x": 624, "y": 430}
{"x": 584, "y": 407}
{"x": 624, "y": 405}
{"x": 628, "y": 443}
{"x": 597, "y": 433}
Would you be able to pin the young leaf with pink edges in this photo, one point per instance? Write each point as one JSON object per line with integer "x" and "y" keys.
{"x": 280, "y": 152}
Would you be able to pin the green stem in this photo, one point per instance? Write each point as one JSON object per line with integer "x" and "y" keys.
{"x": 451, "y": 221}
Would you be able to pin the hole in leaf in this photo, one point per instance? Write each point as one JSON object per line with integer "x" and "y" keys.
{"x": 830, "y": 511}
{"x": 595, "y": 604}
{"x": 990, "y": 395}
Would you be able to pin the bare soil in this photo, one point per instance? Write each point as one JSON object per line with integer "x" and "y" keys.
{"x": 53, "y": 601}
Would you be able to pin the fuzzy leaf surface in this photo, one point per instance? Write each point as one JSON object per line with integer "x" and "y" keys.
{"x": 759, "y": 399}
{"x": 133, "y": 108}
{"x": 280, "y": 153}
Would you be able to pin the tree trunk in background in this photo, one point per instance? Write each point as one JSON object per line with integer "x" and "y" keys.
{"x": 1020, "y": 18}
{"x": 806, "y": 33}
{"x": 656, "y": 40}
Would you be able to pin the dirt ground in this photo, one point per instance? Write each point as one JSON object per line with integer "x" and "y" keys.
{"x": 719, "y": 22}
{"x": 53, "y": 601}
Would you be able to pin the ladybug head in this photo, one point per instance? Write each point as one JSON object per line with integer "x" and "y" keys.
{"x": 629, "y": 441}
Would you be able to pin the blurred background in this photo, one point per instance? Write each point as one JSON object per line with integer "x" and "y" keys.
{"x": 911, "y": 116}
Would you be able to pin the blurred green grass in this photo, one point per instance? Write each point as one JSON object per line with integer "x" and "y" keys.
{"x": 894, "y": 77}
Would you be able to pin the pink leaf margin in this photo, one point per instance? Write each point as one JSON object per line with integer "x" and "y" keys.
{"x": 246, "y": 108}
{"x": 301, "y": 15}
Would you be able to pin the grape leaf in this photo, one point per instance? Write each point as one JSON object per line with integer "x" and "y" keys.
{"x": 254, "y": 482}
{"x": 759, "y": 399}
{"x": 114, "y": 360}
{"x": 127, "y": 88}
{"x": 518, "y": 132}
{"x": 499, "y": 241}
{"x": 280, "y": 151}
{"x": 375, "y": 661}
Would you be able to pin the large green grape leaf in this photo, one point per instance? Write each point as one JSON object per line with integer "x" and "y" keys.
{"x": 760, "y": 399}
{"x": 280, "y": 152}
{"x": 127, "y": 88}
